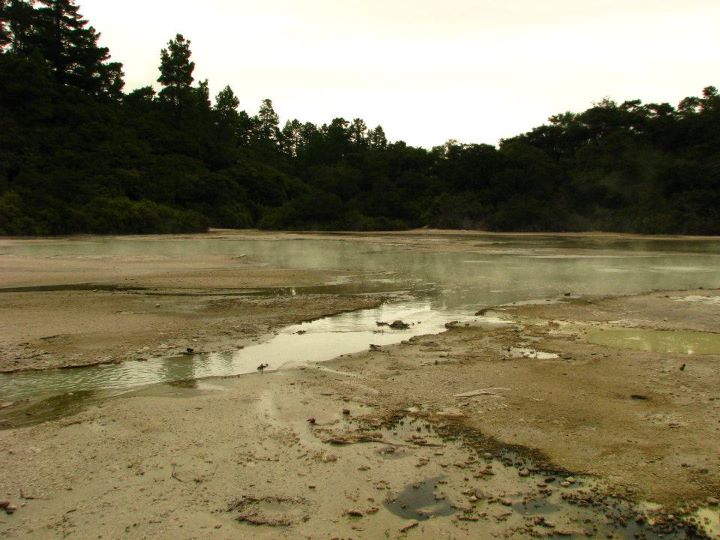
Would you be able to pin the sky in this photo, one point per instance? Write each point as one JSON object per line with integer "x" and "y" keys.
{"x": 426, "y": 70}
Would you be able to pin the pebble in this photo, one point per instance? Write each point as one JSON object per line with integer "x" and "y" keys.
{"x": 408, "y": 526}
{"x": 524, "y": 472}
{"x": 353, "y": 513}
{"x": 713, "y": 501}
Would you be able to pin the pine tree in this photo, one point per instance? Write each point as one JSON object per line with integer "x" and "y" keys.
{"x": 268, "y": 123}
{"x": 226, "y": 104}
{"x": 17, "y": 21}
{"x": 71, "y": 48}
{"x": 176, "y": 73}
{"x": 4, "y": 25}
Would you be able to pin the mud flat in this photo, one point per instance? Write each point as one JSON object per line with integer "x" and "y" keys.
{"x": 527, "y": 428}
{"x": 83, "y": 308}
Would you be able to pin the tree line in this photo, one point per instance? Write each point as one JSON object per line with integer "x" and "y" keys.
{"x": 80, "y": 154}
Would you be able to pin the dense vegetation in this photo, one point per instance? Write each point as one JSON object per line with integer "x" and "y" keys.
{"x": 78, "y": 154}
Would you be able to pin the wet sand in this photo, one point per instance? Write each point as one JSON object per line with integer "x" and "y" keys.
{"x": 320, "y": 452}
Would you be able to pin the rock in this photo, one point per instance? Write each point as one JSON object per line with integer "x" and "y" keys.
{"x": 713, "y": 501}
{"x": 311, "y": 421}
{"x": 568, "y": 532}
{"x": 506, "y": 502}
{"x": 487, "y": 455}
{"x": 408, "y": 526}
{"x": 4, "y": 504}
{"x": 399, "y": 325}
{"x": 524, "y": 472}
{"x": 346, "y": 412}
{"x": 570, "y": 479}
{"x": 11, "y": 508}
{"x": 354, "y": 513}
{"x": 565, "y": 484}
{"x": 474, "y": 393}
{"x": 329, "y": 458}
{"x": 374, "y": 347}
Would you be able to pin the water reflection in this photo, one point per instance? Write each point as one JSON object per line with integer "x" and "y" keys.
{"x": 295, "y": 345}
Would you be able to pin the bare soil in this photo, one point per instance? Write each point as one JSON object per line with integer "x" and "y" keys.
{"x": 338, "y": 449}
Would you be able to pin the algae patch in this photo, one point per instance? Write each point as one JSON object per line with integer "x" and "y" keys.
{"x": 662, "y": 341}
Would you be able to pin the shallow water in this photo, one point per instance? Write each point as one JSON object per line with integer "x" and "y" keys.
{"x": 293, "y": 346}
{"x": 664, "y": 341}
{"x": 448, "y": 285}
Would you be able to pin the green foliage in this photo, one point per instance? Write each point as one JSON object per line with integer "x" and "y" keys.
{"x": 79, "y": 155}
{"x": 176, "y": 72}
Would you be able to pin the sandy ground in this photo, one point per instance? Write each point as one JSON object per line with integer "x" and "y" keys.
{"x": 467, "y": 428}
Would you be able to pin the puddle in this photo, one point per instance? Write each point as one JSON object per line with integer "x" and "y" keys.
{"x": 709, "y": 520}
{"x": 526, "y": 352}
{"x": 421, "y": 501}
{"x": 507, "y": 484}
{"x": 663, "y": 341}
{"x": 709, "y": 300}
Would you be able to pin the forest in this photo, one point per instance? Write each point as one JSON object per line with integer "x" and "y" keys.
{"x": 80, "y": 153}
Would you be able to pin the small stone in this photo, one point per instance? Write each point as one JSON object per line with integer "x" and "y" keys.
{"x": 524, "y": 472}
{"x": 713, "y": 501}
{"x": 346, "y": 412}
{"x": 408, "y": 526}
{"x": 354, "y": 513}
{"x": 4, "y": 504}
{"x": 399, "y": 325}
{"x": 487, "y": 455}
{"x": 11, "y": 508}
{"x": 506, "y": 502}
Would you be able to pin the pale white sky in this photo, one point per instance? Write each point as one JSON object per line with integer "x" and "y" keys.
{"x": 427, "y": 70}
